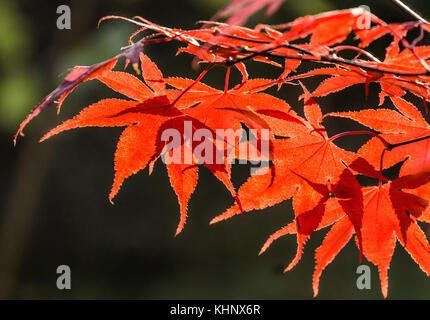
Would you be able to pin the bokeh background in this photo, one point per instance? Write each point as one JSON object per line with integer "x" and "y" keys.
{"x": 54, "y": 208}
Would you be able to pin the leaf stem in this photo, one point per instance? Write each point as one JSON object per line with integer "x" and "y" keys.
{"x": 227, "y": 77}
{"x": 198, "y": 79}
{"x": 390, "y": 146}
{"x": 385, "y": 142}
{"x": 381, "y": 165}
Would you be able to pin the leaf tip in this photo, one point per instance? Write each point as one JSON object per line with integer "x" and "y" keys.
{"x": 315, "y": 292}
{"x": 262, "y": 250}
{"x": 215, "y": 220}
{"x": 286, "y": 269}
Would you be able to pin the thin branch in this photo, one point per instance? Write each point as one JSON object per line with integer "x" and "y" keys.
{"x": 409, "y": 11}
{"x": 333, "y": 60}
{"x": 359, "y": 50}
{"x": 311, "y": 57}
{"x": 390, "y": 146}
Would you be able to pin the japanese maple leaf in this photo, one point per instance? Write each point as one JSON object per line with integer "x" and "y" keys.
{"x": 327, "y": 28}
{"x": 146, "y": 118}
{"x": 391, "y": 85}
{"x": 390, "y": 214}
{"x": 139, "y": 145}
{"x": 422, "y": 191}
{"x": 407, "y": 123}
{"x": 406, "y": 59}
{"x": 397, "y": 30}
{"x": 78, "y": 75}
{"x": 341, "y": 78}
{"x": 346, "y": 202}
{"x": 304, "y": 166}
{"x": 307, "y": 154}
{"x": 409, "y": 60}
{"x": 332, "y": 211}
{"x": 335, "y": 240}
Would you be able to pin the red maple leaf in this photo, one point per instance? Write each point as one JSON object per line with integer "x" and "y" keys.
{"x": 390, "y": 214}
{"x": 146, "y": 119}
{"x": 407, "y": 123}
{"x": 304, "y": 164}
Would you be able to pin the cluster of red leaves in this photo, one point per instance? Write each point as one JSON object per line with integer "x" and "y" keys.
{"x": 306, "y": 165}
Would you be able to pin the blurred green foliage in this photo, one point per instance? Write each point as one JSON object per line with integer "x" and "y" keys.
{"x": 19, "y": 86}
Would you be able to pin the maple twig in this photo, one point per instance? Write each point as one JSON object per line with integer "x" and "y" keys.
{"x": 341, "y": 61}
{"x": 359, "y": 50}
{"x": 409, "y": 11}
{"x": 324, "y": 58}
{"x": 311, "y": 57}
{"x": 252, "y": 55}
{"x": 321, "y": 58}
{"x": 391, "y": 146}
{"x": 284, "y": 45}
{"x": 420, "y": 36}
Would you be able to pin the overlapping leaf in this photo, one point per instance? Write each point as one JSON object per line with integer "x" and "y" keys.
{"x": 146, "y": 119}
{"x": 303, "y": 162}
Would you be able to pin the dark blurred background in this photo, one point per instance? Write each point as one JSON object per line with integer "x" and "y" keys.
{"x": 54, "y": 204}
